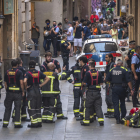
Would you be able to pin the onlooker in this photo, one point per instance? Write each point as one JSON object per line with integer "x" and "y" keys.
{"x": 105, "y": 29}
{"x": 94, "y": 29}
{"x": 35, "y": 34}
{"x": 84, "y": 25}
{"x": 47, "y": 39}
{"x": 109, "y": 16}
{"x": 112, "y": 4}
{"x": 97, "y": 10}
{"x": 100, "y": 15}
{"x": 78, "y": 37}
{"x": 121, "y": 32}
{"x": 54, "y": 33}
{"x": 87, "y": 32}
{"x": 70, "y": 37}
{"x": 86, "y": 18}
{"x": 94, "y": 18}
{"x": 114, "y": 32}
{"x": 81, "y": 22}
{"x": 109, "y": 24}
{"x": 65, "y": 26}
{"x": 125, "y": 31}
{"x": 99, "y": 26}
{"x": 59, "y": 37}
{"x": 104, "y": 7}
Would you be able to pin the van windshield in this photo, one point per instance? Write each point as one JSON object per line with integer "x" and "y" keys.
{"x": 100, "y": 46}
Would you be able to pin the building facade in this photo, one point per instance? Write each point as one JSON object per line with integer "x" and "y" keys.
{"x": 9, "y": 32}
{"x": 134, "y": 28}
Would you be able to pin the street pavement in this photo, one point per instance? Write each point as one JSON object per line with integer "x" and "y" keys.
{"x": 69, "y": 129}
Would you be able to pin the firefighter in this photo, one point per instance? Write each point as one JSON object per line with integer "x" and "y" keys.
{"x": 44, "y": 68}
{"x": 84, "y": 68}
{"x": 50, "y": 92}
{"x": 108, "y": 99}
{"x": 32, "y": 85}
{"x": 48, "y": 59}
{"x": 24, "y": 102}
{"x": 76, "y": 72}
{"x": 65, "y": 49}
{"x": 119, "y": 78}
{"x": 14, "y": 91}
{"x": 128, "y": 60}
{"x": 135, "y": 66}
{"x": 93, "y": 80}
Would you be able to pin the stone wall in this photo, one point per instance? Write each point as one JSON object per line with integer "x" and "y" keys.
{"x": 47, "y": 10}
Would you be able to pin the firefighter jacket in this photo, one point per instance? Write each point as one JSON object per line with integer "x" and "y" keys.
{"x": 76, "y": 72}
{"x": 52, "y": 87}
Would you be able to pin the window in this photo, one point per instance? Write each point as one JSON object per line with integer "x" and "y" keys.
{"x": 100, "y": 46}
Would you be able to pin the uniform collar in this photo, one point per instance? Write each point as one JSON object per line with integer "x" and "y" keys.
{"x": 118, "y": 66}
{"x": 93, "y": 69}
{"x": 13, "y": 68}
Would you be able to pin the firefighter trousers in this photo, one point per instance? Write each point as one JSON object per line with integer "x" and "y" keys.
{"x": 59, "y": 107}
{"x": 77, "y": 98}
{"x": 34, "y": 105}
{"x": 82, "y": 102}
{"x": 118, "y": 94}
{"x": 93, "y": 100}
{"x": 23, "y": 109}
{"x": 49, "y": 111}
{"x": 108, "y": 99}
{"x": 10, "y": 98}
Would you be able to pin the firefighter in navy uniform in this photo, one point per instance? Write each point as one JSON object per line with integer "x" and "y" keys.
{"x": 50, "y": 92}
{"x": 65, "y": 49}
{"x": 128, "y": 60}
{"x": 32, "y": 85}
{"x": 48, "y": 59}
{"x": 44, "y": 68}
{"x": 110, "y": 107}
{"x": 93, "y": 80}
{"x": 135, "y": 66}
{"x": 24, "y": 102}
{"x": 76, "y": 72}
{"x": 14, "y": 91}
{"x": 84, "y": 68}
{"x": 119, "y": 78}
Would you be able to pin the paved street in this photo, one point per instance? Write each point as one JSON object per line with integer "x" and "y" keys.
{"x": 69, "y": 129}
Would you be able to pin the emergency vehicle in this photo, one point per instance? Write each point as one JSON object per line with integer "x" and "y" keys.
{"x": 97, "y": 46}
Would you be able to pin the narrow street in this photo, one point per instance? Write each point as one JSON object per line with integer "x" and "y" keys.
{"x": 69, "y": 129}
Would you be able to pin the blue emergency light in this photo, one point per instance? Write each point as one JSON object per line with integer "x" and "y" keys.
{"x": 99, "y": 36}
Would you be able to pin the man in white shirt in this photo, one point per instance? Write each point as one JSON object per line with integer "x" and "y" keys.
{"x": 70, "y": 37}
{"x": 97, "y": 10}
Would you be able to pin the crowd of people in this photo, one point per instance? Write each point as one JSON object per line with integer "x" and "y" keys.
{"x": 101, "y": 21}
